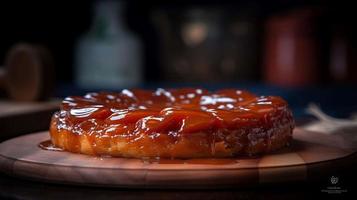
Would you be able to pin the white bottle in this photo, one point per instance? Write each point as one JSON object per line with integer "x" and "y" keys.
{"x": 108, "y": 56}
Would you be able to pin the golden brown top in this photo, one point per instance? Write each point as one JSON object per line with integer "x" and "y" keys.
{"x": 171, "y": 111}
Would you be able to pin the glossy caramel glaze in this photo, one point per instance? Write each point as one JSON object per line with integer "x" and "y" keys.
{"x": 176, "y": 123}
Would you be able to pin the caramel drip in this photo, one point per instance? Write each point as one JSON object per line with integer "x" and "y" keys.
{"x": 98, "y": 120}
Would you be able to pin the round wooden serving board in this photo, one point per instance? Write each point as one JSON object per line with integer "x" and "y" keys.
{"x": 21, "y": 156}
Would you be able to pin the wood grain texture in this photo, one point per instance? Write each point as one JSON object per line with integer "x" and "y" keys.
{"x": 21, "y": 156}
{"x": 33, "y": 116}
{"x": 10, "y": 108}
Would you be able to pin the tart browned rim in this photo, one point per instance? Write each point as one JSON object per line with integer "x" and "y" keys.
{"x": 178, "y": 123}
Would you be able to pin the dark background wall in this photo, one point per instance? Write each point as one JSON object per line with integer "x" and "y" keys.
{"x": 58, "y": 24}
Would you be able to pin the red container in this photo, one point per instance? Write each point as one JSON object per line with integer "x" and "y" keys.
{"x": 291, "y": 51}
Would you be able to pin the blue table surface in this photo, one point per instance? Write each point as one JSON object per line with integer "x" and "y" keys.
{"x": 335, "y": 100}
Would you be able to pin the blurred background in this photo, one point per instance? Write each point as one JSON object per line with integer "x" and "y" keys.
{"x": 302, "y": 50}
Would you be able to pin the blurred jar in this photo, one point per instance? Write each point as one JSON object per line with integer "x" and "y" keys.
{"x": 292, "y": 52}
{"x": 208, "y": 44}
{"x": 342, "y": 65}
{"x": 108, "y": 56}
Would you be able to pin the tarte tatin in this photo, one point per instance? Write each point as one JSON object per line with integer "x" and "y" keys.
{"x": 174, "y": 123}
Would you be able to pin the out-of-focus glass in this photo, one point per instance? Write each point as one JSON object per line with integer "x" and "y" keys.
{"x": 109, "y": 55}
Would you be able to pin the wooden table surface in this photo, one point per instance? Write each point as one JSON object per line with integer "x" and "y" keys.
{"x": 17, "y": 118}
{"x": 12, "y": 187}
{"x": 18, "y": 188}
{"x": 309, "y": 156}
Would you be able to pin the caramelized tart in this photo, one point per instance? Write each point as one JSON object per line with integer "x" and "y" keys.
{"x": 174, "y": 123}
